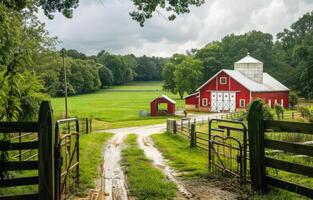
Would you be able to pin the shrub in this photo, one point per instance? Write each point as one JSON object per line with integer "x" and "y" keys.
{"x": 279, "y": 110}
{"x": 305, "y": 112}
{"x": 265, "y": 109}
{"x": 293, "y": 99}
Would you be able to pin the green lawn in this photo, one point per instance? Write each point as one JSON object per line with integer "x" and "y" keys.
{"x": 145, "y": 180}
{"x": 118, "y": 106}
{"x": 91, "y": 159}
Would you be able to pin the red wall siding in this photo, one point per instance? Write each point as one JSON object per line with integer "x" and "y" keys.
{"x": 273, "y": 95}
{"x": 232, "y": 85}
{"x": 192, "y": 100}
{"x": 171, "y": 107}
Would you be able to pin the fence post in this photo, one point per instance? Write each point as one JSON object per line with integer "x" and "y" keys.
{"x": 90, "y": 125}
{"x": 87, "y": 125}
{"x": 193, "y": 136}
{"x": 256, "y": 147}
{"x": 46, "y": 152}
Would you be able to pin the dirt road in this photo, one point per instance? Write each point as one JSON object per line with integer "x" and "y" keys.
{"x": 115, "y": 186}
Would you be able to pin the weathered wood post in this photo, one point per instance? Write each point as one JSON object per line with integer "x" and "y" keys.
{"x": 193, "y": 136}
{"x": 46, "y": 139}
{"x": 87, "y": 125}
{"x": 256, "y": 146}
{"x": 171, "y": 126}
{"x": 90, "y": 125}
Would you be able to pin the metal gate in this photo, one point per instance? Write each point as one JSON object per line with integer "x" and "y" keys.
{"x": 228, "y": 148}
{"x": 67, "y": 157}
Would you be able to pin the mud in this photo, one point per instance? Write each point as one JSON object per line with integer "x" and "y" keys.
{"x": 114, "y": 180}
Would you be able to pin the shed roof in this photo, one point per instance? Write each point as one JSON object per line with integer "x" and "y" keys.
{"x": 167, "y": 98}
{"x": 248, "y": 59}
{"x": 269, "y": 84}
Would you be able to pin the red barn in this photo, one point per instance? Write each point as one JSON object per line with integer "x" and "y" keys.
{"x": 229, "y": 90}
{"x": 163, "y": 99}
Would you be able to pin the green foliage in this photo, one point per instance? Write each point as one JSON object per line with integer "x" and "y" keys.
{"x": 106, "y": 77}
{"x": 279, "y": 110}
{"x": 145, "y": 9}
{"x": 296, "y": 49}
{"x": 306, "y": 113}
{"x": 188, "y": 75}
{"x": 266, "y": 110}
{"x": 152, "y": 184}
{"x": 293, "y": 99}
{"x": 119, "y": 70}
{"x": 182, "y": 74}
{"x": 148, "y": 69}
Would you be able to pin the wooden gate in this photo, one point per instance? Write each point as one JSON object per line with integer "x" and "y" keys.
{"x": 67, "y": 157}
{"x": 262, "y": 158}
{"x": 36, "y": 171}
{"x": 228, "y": 148}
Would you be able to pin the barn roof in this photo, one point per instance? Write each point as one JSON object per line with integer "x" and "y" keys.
{"x": 248, "y": 59}
{"x": 269, "y": 84}
{"x": 190, "y": 95}
{"x": 167, "y": 98}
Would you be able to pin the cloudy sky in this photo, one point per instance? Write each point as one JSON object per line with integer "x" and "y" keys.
{"x": 106, "y": 24}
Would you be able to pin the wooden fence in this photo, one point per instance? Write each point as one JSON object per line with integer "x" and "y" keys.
{"x": 259, "y": 162}
{"x": 45, "y": 162}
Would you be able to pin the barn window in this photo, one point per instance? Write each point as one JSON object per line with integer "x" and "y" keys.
{"x": 223, "y": 80}
{"x": 242, "y": 103}
{"x": 282, "y": 102}
{"x": 204, "y": 102}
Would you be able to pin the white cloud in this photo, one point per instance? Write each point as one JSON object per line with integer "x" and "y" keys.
{"x": 106, "y": 24}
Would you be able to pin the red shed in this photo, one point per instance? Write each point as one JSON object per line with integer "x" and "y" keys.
{"x": 163, "y": 99}
{"x": 229, "y": 90}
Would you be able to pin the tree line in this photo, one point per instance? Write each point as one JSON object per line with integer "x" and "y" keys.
{"x": 289, "y": 58}
{"x": 86, "y": 74}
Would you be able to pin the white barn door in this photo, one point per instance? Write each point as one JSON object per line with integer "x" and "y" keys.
{"x": 223, "y": 101}
{"x": 213, "y": 101}
{"x": 220, "y": 103}
{"x": 232, "y": 102}
{"x": 226, "y": 101}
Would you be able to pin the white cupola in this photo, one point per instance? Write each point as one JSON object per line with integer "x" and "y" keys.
{"x": 251, "y": 68}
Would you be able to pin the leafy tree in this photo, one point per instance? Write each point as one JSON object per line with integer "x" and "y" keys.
{"x": 188, "y": 75}
{"x": 168, "y": 75}
{"x": 168, "y": 72}
{"x": 144, "y": 9}
{"x": 296, "y": 45}
{"x": 73, "y": 53}
{"x": 293, "y": 99}
{"x": 106, "y": 77}
{"x": 122, "y": 72}
{"x": 145, "y": 69}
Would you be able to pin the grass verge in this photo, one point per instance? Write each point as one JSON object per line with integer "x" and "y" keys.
{"x": 91, "y": 159}
{"x": 181, "y": 157}
{"x": 145, "y": 181}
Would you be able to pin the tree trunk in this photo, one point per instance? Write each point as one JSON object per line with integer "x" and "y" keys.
{"x": 181, "y": 94}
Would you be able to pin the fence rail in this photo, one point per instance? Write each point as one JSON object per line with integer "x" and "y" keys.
{"x": 41, "y": 163}
{"x": 259, "y": 160}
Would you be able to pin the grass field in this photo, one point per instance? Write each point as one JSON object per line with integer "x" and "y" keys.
{"x": 145, "y": 181}
{"x": 118, "y": 106}
{"x": 91, "y": 159}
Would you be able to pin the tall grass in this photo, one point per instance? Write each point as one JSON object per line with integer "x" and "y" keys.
{"x": 145, "y": 181}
